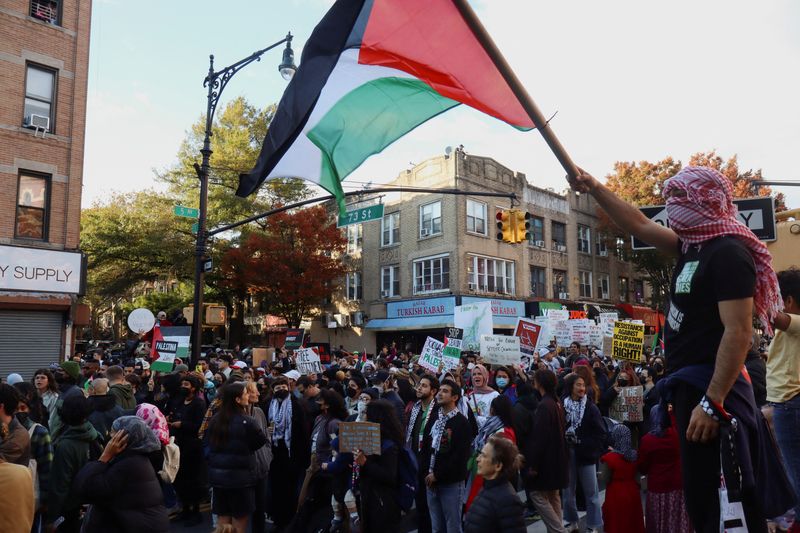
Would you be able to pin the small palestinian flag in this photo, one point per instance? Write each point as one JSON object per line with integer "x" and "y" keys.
{"x": 168, "y": 343}
{"x": 372, "y": 71}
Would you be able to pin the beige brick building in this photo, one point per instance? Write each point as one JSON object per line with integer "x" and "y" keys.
{"x": 434, "y": 251}
{"x": 44, "y": 55}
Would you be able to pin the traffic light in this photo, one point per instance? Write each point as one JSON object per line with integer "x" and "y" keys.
{"x": 522, "y": 226}
{"x": 505, "y": 231}
{"x": 215, "y": 315}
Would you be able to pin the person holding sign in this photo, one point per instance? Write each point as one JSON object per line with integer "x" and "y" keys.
{"x": 722, "y": 277}
{"x": 480, "y": 399}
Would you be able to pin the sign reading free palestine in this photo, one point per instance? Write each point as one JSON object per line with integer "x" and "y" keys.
{"x": 169, "y": 343}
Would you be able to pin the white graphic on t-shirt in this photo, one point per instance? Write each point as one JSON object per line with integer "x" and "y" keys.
{"x": 683, "y": 283}
{"x": 675, "y": 317}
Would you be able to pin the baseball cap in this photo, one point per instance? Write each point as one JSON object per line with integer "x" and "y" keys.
{"x": 292, "y": 374}
{"x": 240, "y": 365}
{"x": 13, "y": 379}
{"x": 543, "y": 351}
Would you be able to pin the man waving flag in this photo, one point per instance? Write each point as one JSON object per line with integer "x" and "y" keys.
{"x": 372, "y": 71}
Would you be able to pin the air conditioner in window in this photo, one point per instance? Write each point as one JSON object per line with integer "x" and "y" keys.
{"x": 358, "y": 318}
{"x": 330, "y": 322}
{"x": 538, "y": 244}
{"x": 38, "y": 123}
{"x": 471, "y": 286}
{"x": 342, "y": 319}
{"x": 604, "y": 295}
{"x": 563, "y": 296}
{"x": 603, "y": 253}
{"x": 424, "y": 232}
{"x": 384, "y": 294}
{"x": 561, "y": 248}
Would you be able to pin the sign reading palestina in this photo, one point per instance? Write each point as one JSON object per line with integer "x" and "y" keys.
{"x": 169, "y": 343}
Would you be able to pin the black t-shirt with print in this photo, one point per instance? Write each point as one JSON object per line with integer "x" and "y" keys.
{"x": 721, "y": 269}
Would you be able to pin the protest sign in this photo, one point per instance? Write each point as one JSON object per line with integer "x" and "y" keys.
{"x": 595, "y": 335}
{"x": 500, "y": 350}
{"x": 431, "y": 354}
{"x": 308, "y": 361}
{"x": 476, "y": 320}
{"x": 545, "y": 334}
{"x": 262, "y": 354}
{"x": 528, "y": 332}
{"x": 141, "y": 320}
{"x": 580, "y": 330}
{"x": 294, "y": 338}
{"x": 169, "y": 343}
{"x": 607, "y": 344}
{"x": 562, "y": 331}
{"x": 451, "y": 353}
{"x": 628, "y": 341}
{"x": 628, "y": 405}
{"x": 557, "y": 314}
{"x": 364, "y": 436}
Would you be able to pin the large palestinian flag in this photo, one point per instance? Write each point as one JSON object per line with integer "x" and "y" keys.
{"x": 372, "y": 71}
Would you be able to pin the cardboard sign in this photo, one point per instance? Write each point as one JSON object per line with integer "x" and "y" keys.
{"x": 364, "y": 436}
{"x": 580, "y": 330}
{"x": 628, "y": 405}
{"x": 562, "y": 331}
{"x": 557, "y": 314}
{"x": 431, "y": 354}
{"x": 528, "y": 332}
{"x": 608, "y": 343}
{"x": 595, "y": 335}
{"x": 545, "y": 335}
{"x": 294, "y": 338}
{"x": 628, "y": 341}
{"x": 476, "y": 320}
{"x": 307, "y": 361}
{"x": 262, "y": 354}
{"x": 451, "y": 353}
{"x": 500, "y": 350}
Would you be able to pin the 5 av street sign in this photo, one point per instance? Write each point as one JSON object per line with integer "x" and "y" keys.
{"x": 358, "y": 216}
{"x": 187, "y": 212}
{"x": 758, "y": 214}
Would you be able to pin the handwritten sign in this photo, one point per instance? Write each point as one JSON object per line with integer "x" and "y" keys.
{"x": 628, "y": 405}
{"x": 451, "y": 353}
{"x": 580, "y": 330}
{"x": 528, "y": 332}
{"x": 500, "y": 350}
{"x": 595, "y": 335}
{"x": 476, "y": 320}
{"x": 364, "y": 436}
{"x": 562, "y": 331}
{"x": 431, "y": 354}
{"x": 557, "y": 314}
{"x": 628, "y": 341}
{"x": 308, "y": 361}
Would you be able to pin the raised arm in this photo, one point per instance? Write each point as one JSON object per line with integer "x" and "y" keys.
{"x": 626, "y": 216}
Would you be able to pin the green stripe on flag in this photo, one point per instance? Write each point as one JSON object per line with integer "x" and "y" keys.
{"x": 162, "y": 366}
{"x": 368, "y": 119}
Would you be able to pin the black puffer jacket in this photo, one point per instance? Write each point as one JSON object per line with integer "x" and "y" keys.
{"x": 234, "y": 464}
{"x": 124, "y": 495}
{"x": 496, "y": 508}
{"x": 104, "y": 411}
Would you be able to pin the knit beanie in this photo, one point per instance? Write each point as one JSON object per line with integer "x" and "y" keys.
{"x": 72, "y": 369}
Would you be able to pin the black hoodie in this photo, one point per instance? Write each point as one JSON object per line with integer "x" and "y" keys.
{"x": 104, "y": 411}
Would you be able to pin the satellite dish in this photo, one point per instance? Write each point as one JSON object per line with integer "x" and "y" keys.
{"x": 448, "y": 150}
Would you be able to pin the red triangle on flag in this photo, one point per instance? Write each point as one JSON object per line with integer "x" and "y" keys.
{"x": 157, "y": 336}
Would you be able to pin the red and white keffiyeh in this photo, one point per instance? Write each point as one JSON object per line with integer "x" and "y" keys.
{"x": 706, "y": 212}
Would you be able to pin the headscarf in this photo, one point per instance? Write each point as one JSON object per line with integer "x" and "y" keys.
{"x": 706, "y": 212}
{"x": 141, "y": 438}
{"x": 656, "y": 422}
{"x": 492, "y": 425}
{"x": 480, "y": 369}
{"x": 155, "y": 420}
{"x": 621, "y": 442}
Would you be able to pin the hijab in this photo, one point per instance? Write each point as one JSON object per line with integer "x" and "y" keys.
{"x": 155, "y": 420}
{"x": 621, "y": 442}
{"x": 141, "y": 438}
{"x": 485, "y": 388}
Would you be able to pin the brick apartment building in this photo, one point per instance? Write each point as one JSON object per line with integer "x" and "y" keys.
{"x": 431, "y": 252}
{"x": 44, "y": 58}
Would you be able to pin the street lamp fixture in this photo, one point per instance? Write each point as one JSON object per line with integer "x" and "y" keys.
{"x": 215, "y": 82}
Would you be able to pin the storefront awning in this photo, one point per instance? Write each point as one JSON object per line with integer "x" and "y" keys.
{"x": 411, "y": 323}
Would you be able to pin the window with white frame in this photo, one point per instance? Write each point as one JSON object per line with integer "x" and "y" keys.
{"x": 432, "y": 274}
{"x": 40, "y": 90}
{"x": 430, "y": 219}
{"x": 390, "y": 281}
{"x": 487, "y": 274}
{"x": 355, "y": 238}
{"x": 604, "y": 286}
{"x": 352, "y": 283}
{"x": 390, "y": 229}
{"x": 584, "y": 239}
{"x": 538, "y": 282}
{"x": 585, "y": 283}
{"x": 476, "y": 217}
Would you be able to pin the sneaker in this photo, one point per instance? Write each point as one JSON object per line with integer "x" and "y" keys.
{"x": 532, "y": 514}
{"x": 570, "y": 527}
{"x": 592, "y": 530}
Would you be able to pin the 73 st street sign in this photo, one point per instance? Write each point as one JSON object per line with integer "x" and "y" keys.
{"x": 358, "y": 216}
{"x": 758, "y": 214}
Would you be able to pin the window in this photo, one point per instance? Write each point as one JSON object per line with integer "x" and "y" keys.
{"x": 538, "y": 287}
{"x": 490, "y": 275}
{"x": 355, "y": 238}
{"x": 537, "y": 230}
{"x": 390, "y": 229}
{"x": 559, "y": 236}
{"x": 620, "y": 249}
{"x": 585, "y": 282}
{"x": 432, "y": 274}
{"x": 584, "y": 239}
{"x": 638, "y": 291}
{"x": 602, "y": 249}
{"x": 353, "y": 285}
{"x": 390, "y": 281}
{"x": 603, "y": 288}
{"x": 46, "y": 11}
{"x": 623, "y": 289}
{"x": 560, "y": 284}
{"x": 40, "y": 85}
{"x": 430, "y": 219}
{"x": 33, "y": 198}
{"x": 476, "y": 217}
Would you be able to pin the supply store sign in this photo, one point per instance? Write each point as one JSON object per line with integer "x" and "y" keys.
{"x": 32, "y": 269}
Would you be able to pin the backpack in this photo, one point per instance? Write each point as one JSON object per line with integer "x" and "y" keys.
{"x": 172, "y": 460}
{"x": 32, "y": 466}
{"x": 407, "y": 479}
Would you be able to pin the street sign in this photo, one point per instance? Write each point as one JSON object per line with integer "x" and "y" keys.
{"x": 758, "y": 214}
{"x": 365, "y": 214}
{"x": 208, "y": 265}
{"x": 195, "y": 227}
{"x": 187, "y": 212}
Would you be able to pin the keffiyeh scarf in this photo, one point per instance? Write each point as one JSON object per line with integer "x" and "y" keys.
{"x": 574, "y": 410}
{"x": 280, "y": 414}
{"x": 706, "y": 212}
{"x": 438, "y": 431}
{"x": 621, "y": 442}
{"x": 492, "y": 425}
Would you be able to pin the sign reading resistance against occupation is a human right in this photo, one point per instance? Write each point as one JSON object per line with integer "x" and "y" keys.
{"x": 628, "y": 342}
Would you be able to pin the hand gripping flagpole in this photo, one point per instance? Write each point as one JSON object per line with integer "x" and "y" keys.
{"x": 516, "y": 86}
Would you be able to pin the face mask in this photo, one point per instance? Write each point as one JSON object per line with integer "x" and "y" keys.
{"x": 351, "y": 393}
{"x": 297, "y": 394}
{"x": 184, "y": 391}
{"x": 501, "y": 382}
{"x": 281, "y": 394}
{"x": 658, "y": 367}
{"x": 22, "y": 418}
{"x": 622, "y": 382}
{"x": 362, "y": 407}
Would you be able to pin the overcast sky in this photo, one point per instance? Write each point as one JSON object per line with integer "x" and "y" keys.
{"x": 629, "y": 80}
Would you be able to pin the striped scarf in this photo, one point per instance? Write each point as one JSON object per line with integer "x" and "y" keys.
{"x": 706, "y": 212}
{"x": 438, "y": 432}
